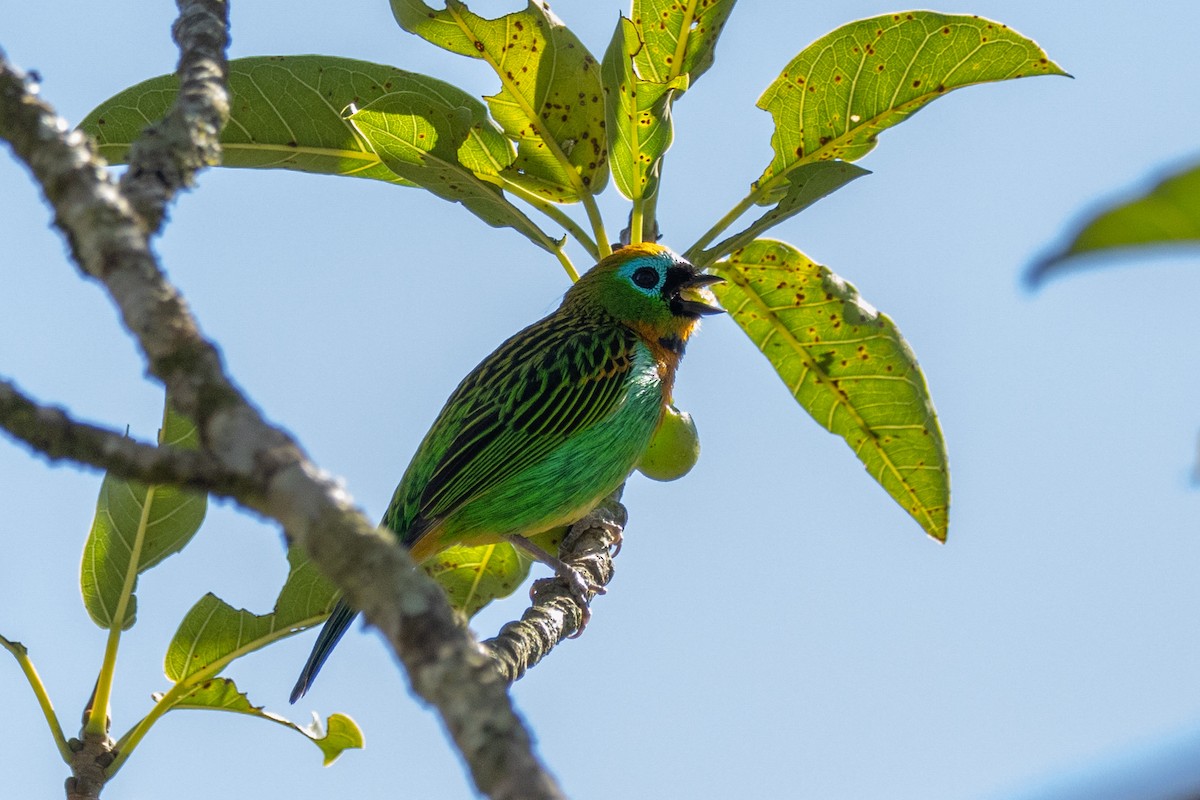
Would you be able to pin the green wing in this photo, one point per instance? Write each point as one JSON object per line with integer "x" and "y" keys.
{"x": 548, "y": 382}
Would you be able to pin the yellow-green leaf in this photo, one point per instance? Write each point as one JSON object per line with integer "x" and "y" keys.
{"x": 472, "y": 577}
{"x": 339, "y": 734}
{"x": 848, "y": 366}
{"x": 638, "y": 114}
{"x": 551, "y": 102}
{"x": 286, "y": 112}
{"x": 214, "y": 633}
{"x": 840, "y": 92}
{"x": 444, "y": 148}
{"x": 136, "y": 526}
{"x": 680, "y": 36}
{"x": 1168, "y": 214}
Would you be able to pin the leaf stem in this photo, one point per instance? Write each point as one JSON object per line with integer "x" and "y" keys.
{"x": 39, "y": 690}
{"x": 597, "y": 222}
{"x": 695, "y": 253}
{"x": 565, "y": 260}
{"x": 97, "y": 720}
{"x": 650, "y": 215}
{"x": 551, "y": 210}
{"x": 636, "y": 219}
{"x": 126, "y": 744}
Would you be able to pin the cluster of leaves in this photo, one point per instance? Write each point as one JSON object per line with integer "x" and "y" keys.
{"x": 136, "y": 527}
{"x": 561, "y": 123}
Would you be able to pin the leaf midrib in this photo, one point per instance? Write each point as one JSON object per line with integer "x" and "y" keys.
{"x": 811, "y": 366}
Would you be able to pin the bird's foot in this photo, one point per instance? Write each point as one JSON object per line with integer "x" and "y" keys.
{"x": 579, "y": 585}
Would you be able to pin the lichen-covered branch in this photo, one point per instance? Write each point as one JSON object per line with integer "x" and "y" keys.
{"x": 263, "y": 468}
{"x": 51, "y": 432}
{"x": 554, "y": 614}
{"x": 168, "y": 154}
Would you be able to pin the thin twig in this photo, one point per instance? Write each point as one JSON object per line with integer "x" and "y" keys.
{"x": 53, "y": 433}
{"x": 165, "y": 158}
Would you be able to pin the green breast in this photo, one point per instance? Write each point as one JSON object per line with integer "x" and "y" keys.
{"x": 578, "y": 473}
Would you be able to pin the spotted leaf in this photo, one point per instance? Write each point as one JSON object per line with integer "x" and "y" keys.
{"x": 550, "y": 103}
{"x": 847, "y": 365}
{"x": 840, "y": 92}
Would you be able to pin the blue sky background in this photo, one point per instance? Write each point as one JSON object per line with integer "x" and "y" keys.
{"x": 777, "y": 626}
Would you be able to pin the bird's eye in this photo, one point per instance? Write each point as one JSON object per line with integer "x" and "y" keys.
{"x": 646, "y": 277}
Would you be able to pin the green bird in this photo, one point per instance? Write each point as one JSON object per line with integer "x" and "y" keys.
{"x": 550, "y": 423}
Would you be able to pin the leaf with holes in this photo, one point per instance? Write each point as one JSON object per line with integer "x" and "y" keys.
{"x": 550, "y": 103}
{"x": 806, "y": 185}
{"x": 1168, "y": 214}
{"x": 848, "y": 366}
{"x": 339, "y": 734}
{"x": 136, "y": 526}
{"x": 840, "y": 92}
{"x": 638, "y": 115}
{"x": 214, "y": 633}
{"x": 286, "y": 112}
{"x": 443, "y": 147}
{"x": 680, "y": 37}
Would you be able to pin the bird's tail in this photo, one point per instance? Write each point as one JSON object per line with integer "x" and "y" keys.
{"x": 335, "y": 626}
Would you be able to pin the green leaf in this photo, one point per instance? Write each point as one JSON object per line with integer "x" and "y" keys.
{"x": 286, "y": 112}
{"x": 214, "y": 633}
{"x": 1169, "y": 214}
{"x": 472, "y": 577}
{"x": 551, "y": 102}
{"x": 680, "y": 37}
{"x": 806, "y": 185}
{"x": 638, "y": 115}
{"x": 340, "y": 733}
{"x": 836, "y": 96}
{"x": 135, "y": 527}
{"x": 443, "y": 145}
{"x": 848, "y": 366}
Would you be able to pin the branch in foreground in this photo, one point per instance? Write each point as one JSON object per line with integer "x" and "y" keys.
{"x": 169, "y": 153}
{"x": 555, "y": 615}
{"x": 109, "y": 242}
{"x": 51, "y": 432}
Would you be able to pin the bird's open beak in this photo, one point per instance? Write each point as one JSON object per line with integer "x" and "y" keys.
{"x": 695, "y": 298}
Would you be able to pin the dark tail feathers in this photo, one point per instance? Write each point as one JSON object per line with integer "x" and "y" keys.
{"x": 335, "y": 626}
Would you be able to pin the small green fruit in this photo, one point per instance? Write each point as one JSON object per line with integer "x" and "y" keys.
{"x": 674, "y": 448}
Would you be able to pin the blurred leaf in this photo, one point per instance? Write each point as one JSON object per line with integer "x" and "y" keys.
{"x": 848, "y": 366}
{"x": 287, "y": 112}
{"x": 443, "y": 147}
{"x": 551, "y": 101}
{"x": 1169, "y": 214}
{"x": 220, "y": 694}
{"x": 214, "y": 633}
{"x": 638, "y": 115}
{"x": 836, "y": 96}
{"x": 135, "y": 527}
{"x": 806, "y": 185}
{"x": 472, "y": 577}
{"x": 679, "y": 37}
